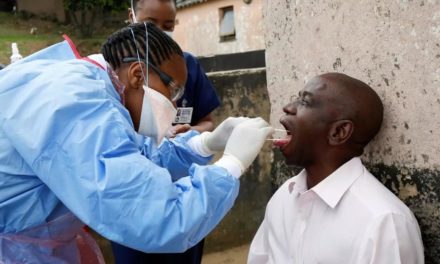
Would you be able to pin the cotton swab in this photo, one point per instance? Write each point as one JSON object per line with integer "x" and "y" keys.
{"x": 280, "y": 130}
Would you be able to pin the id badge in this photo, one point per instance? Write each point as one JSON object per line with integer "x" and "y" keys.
{"x": 184, "y": 115}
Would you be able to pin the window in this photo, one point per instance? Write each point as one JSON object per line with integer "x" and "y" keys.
{"x": 227, "y": 25}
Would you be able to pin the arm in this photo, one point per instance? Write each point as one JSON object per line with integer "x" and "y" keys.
{"x": 80, "y": 142}
{"x": 204, "y": 124}
{"x": 393, "y": 238}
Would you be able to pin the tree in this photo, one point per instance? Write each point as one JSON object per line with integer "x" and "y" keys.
{"x": 83, "y": 13}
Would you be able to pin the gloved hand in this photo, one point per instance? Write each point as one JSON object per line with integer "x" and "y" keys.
{"x": 246, "y": 141}
{"x": 216, "y": 140}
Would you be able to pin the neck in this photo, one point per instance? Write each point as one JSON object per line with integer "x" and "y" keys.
{"x": 317, "y": 173}
{"x": 321, "y": 170}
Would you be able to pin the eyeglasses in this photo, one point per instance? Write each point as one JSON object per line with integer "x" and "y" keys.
{"x": 177, "y": 91}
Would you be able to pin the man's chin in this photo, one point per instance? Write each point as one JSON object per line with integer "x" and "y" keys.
{"x": 291, "y": 160}
{"x": 288, "y": 159}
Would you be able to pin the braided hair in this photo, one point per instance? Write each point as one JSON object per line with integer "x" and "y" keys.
{"x": 121, "y": 44}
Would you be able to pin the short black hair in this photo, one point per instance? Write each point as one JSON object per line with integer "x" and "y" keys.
{"x": 122, "y": 44}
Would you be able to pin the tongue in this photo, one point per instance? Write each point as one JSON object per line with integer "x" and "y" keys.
{"x": 281, "y": 142}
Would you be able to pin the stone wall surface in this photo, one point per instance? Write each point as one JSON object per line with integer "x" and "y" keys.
{"x": 394, "y": 46}
{"x": 243, "y": 93}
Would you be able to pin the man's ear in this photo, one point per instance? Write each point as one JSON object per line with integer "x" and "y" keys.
{"x": 136, "y": 75}
{"x": 130, "y": 16}
{"x": 340, "y": 132}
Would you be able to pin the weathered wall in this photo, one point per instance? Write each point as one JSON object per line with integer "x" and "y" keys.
{"x": 243, "y": 93}
{"x": 395, "y": 47}
{"x": 198, "y": 28}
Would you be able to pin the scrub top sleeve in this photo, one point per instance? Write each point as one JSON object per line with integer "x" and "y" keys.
{"x": 79, "y": 141}
{"x": 204, "y": 95}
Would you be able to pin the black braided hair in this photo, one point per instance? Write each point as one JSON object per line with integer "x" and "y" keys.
{"x": 121, "y": 45}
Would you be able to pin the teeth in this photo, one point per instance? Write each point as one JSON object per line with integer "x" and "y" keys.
{"x": 280, "y": 133}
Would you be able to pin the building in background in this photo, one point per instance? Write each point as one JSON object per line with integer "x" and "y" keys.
{"x": 43, "y": 8}
{"x": 213, "y": 27}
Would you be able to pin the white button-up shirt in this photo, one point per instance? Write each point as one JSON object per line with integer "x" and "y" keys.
{"x": 349, "y": 217}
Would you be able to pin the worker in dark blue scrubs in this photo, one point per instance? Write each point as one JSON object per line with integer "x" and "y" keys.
{"x": 194, "y": 112}
{"x": 199, "y": 95}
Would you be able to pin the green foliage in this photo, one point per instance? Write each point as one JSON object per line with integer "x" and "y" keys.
{"x": 83, "y": 13}
{"x": 79, "y": 5}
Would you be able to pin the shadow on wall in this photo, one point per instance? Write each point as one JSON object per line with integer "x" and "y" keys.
{"x": 420, "y": 190}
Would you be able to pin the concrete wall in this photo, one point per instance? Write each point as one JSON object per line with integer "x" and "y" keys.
{"x": 198, "y": 28}
{"x": 48, "y": 8}
{"x": 395, "y": 47}
{"x": 243, "y": 92}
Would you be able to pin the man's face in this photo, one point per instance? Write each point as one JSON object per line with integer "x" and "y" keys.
{"x": 308, "y": 120}
{"x": 161, "y": 13}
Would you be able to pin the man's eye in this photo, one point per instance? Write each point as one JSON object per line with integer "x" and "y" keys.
{"x": 303, "y": 102}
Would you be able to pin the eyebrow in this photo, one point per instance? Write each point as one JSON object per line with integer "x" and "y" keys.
{"x": 305, "y": 93}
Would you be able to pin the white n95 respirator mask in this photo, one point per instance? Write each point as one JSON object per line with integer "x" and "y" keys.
{"x": 157, "y": 116}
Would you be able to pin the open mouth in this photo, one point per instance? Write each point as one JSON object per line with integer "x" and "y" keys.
{"x": 282, "y": 141}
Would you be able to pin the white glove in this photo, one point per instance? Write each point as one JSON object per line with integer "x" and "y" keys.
{"x": 216, "y": 140}
{"x": 245, "y": 143}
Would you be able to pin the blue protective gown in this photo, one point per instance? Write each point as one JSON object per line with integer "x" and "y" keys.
{"x": 67, "y": 144}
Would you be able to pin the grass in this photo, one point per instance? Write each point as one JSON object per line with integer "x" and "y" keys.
{"x": 17, "y": 28}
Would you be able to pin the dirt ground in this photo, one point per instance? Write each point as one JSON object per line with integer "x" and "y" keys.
{"x": 236, "y": 255}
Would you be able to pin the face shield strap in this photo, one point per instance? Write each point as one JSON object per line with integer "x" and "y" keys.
{"x": 133, "y": 12}
{"x": 148, "y": 124}
{"x": 145, "y": 75}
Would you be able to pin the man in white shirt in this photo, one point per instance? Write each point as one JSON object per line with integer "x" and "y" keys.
{"x": 334, "y": 211}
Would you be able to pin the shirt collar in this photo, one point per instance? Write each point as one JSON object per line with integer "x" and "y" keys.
{"x": 299, "y": 183}
{"x": 334, "y": 186}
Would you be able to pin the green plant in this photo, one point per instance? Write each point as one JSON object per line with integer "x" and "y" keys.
{"x": 83, "y": 13}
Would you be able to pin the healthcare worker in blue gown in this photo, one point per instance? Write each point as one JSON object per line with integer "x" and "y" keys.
{"x": 70, "y": 154}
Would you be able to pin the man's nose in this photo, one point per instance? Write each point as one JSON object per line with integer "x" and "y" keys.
{"x": 290, "y": 109}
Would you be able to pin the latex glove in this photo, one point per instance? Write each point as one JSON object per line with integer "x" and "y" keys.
{"x": 246, "y": 141}
{"x": 216, "y": 140}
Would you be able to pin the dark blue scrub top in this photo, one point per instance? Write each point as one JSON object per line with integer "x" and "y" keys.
{"x": 201, "y": 95}
{"x": 199, "y": 92}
